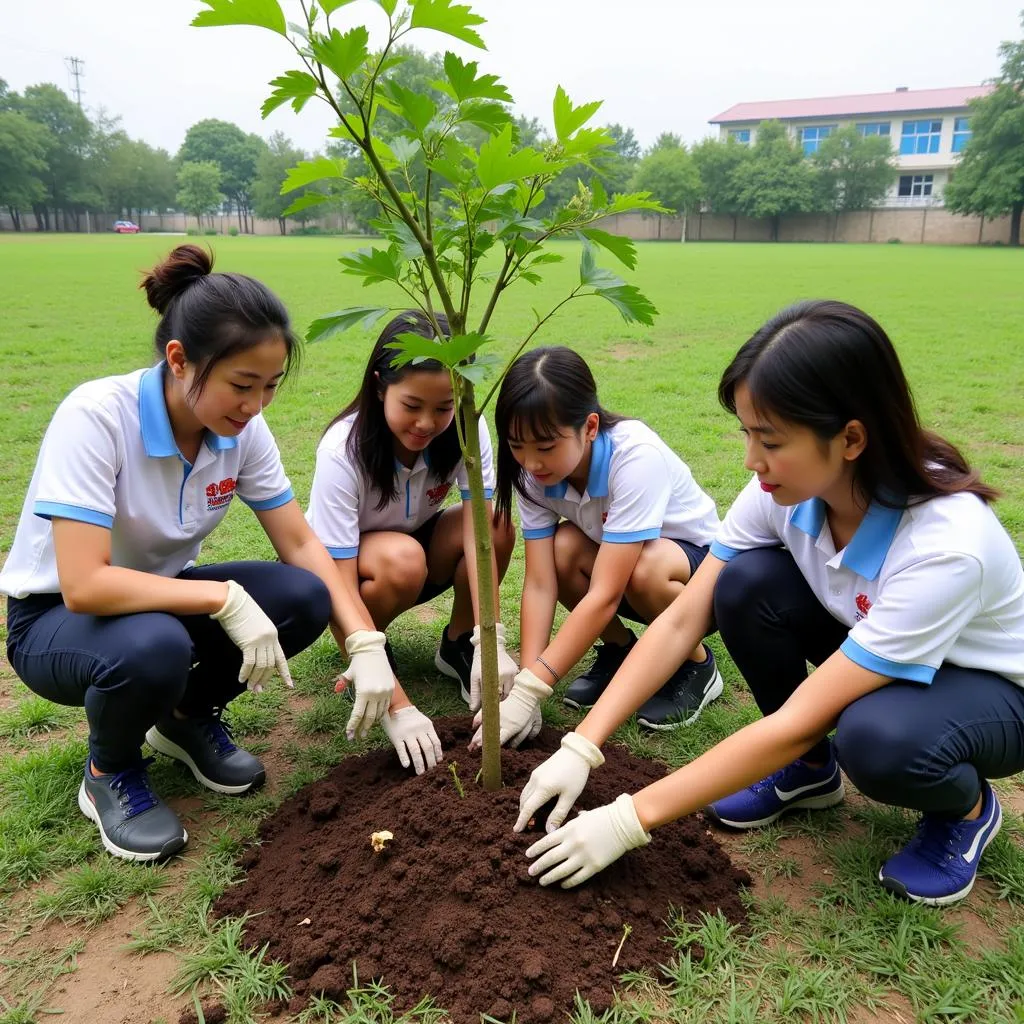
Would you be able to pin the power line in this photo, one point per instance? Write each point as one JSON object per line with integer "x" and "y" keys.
{"x": 77, "y": 69}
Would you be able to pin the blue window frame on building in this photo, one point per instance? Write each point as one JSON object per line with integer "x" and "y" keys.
{"x": 740, "y": 135}
{"x": 920, "y": 137}
{"x": 811, "y": 138}
{"x": 875, "y": 128}
{"x": 961, "y": 133}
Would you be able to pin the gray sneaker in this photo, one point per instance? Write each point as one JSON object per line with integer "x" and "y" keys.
{"x": 206, "y": 747}
{"x": 134, "y": 822}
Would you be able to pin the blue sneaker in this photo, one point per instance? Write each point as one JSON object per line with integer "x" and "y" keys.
{"x": 939, "y": 865}
{"x": 798, "y": 785}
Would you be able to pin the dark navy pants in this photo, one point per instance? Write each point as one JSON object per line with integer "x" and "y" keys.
{"x": 128, "y": 671}
{"x": 906, "y": 744}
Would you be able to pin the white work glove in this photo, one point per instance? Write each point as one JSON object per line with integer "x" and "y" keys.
{"x": 412, "y": 735}
{"x": 588, "y": 844}
{"x": 507, "y": 668}
{"x": 255, "y": 635}
{"x": 564, "y": 774}
{"x": 370, "y": 672}
{"x": 520, "y": 711}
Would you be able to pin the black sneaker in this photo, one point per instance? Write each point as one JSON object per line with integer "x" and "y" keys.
{"x": 454, "y": 658}
{"x": 134, "y": 822}
{"x": 688, "y": 691}
{"x": 205, "y": 745}
{"x": 584, "y": 690}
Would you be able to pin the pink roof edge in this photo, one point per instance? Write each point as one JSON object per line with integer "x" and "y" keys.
{"x": 845, "y": 106}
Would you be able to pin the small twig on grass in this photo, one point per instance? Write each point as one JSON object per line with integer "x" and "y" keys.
{"x": 453, "y": 768}
{"x": 626, "y": 929}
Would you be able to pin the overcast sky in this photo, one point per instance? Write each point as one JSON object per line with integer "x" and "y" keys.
{"x": 659, "y": 65}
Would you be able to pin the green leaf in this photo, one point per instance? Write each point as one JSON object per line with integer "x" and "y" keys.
{"x": 464, "y": 83}
{"x": 297, "y": 86}
{"x": 343, "y": 54}
{"x": 450, "y": 352}
{"x": 593, "y": 275}
{"x": 547, "y": 257}
{"x": 453, "y": 20}
{"x": 492, "y": 117}
{"x": 332, "y": 323}
{"x": 400, "y": 234}
{"x": 626, "y": 202}
{"x": 569, "y": 118}
{"x": 618, "y": 245}
{"x": 497, "y": 164}
{"x": 600, "y": 197}
{"x": 479, "y": 370}
{"x": 309, "y": 171}
{"x": 373, "y": 265}
{"x": 387, "y": 5}
{"x": 261, "y": 13}
{"x": 417, "y": 108}
{"x": 305, "y": 202}
{"x": 330, "y": 6}
{"x": 404, "y": 150}
{"x": 630, "y": 302}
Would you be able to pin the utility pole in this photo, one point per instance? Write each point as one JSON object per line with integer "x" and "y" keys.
{"x": 76, "y": 67}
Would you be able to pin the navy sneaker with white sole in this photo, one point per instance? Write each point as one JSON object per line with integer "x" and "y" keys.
{"x": 689, "y": 690}
{"x": 134, "y": 823}
{"x": 940, "y": 864}
{"x": 205, "y": 746}
{"x": 454, "y": 658}
{"x": 797, "y": 786}
{"x": 586, "y": 689}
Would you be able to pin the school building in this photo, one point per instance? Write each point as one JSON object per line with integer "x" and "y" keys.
{"x": 927, "y": 128}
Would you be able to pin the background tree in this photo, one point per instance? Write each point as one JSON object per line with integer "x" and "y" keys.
{"x": 199, "y": 188}
{"x": 23, "y": 147}
{"x": 271, "y": 170}
{"x": 854, "y": 171}
{"x": 666, "y": 140}
{"x": 776, "y": 180}
{"x": 989, "y": 180}
{"x": 670, "y": 175}
{"x": 719, "y": 167}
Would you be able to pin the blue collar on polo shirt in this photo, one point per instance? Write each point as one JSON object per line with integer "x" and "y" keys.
{"x": 869, "y": 545}
{"x": 157, "y": 436}
{"x": 597, "y": 478}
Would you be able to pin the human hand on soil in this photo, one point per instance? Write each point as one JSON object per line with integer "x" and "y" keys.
{"x": 253, "y": 632}
{"x": 370, "y": 673}
{"x": 507, "y": 668}
{"x": 588, "y": 844}
{"x": 413, "y": 736}
{"x": 564, "y": 774}
{"x": 520, "y": 711}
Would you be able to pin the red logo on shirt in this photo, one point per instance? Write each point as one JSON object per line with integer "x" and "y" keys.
{"x": 863, "y": 606}
{"x": 604, "y": 518}
{"x": 435, "y": 495}
{"x": 218, "y": 495}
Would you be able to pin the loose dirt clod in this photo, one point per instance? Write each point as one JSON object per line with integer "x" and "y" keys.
{"x": 452, "y": 912}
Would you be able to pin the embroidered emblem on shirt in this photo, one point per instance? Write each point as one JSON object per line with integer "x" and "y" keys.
{"x": 435, "y": 495}
{"x": 863, "y": 606}
{"x": 220, "y": 494}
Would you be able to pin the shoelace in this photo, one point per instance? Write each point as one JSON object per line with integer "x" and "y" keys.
{"x": 935, "y": 839}
{"x": 133, "y": 786}
{"x": 771, "y": 780}
{"x": 220, "y": 734}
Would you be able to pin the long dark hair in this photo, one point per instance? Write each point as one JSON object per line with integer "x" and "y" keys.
{"x": 823, "y": 363}
{"x": 545, "y": 392}
{"x": 371, "y": 445}
{"x": 213, "y": 315}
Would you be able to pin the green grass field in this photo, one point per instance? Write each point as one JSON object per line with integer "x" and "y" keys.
{"x": 827, "y": 943}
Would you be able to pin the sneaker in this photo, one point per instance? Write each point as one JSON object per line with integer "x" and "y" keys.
{"x": 939, "y": 865}
{"x": 585, "y": 690}
{"x": 454, "y": 658}
{"x": 797, "y": 785}
{"x": 205, "y": 745}
{"x": 689, "y": 690}
{"x": 134, "y": 822}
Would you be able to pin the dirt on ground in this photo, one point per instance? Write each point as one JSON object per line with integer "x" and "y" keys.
{"x": 447, "y": 909}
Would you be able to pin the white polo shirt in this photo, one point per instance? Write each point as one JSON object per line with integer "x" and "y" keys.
{"x": 939, "y": 581}
{"x": 637, "y": 489}
{"x": 109, "y": 458}
{"x": 343, "y": 502}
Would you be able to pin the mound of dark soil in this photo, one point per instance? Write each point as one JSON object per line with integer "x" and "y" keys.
{"x": 448, "y": 909}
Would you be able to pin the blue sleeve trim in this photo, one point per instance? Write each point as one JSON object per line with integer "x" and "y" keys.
{"x": 269, "y": 503}
{"x": 725, "y": 554}
{"x": 540, "y": 534}
{"x": 630, "y": 537}
{"x": 341, "y": 553}
{"x": 488, "y": 494}
{"x": 55, "y": 509}
{"x": 894, "y": 669}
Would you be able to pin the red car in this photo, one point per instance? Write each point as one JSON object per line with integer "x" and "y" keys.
{"x": 126, "y": 227}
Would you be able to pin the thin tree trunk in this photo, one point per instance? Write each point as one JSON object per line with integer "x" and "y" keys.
{"x": 1015, "y": 214}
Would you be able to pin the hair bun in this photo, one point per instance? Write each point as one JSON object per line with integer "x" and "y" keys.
{"x": 184, "y": 266}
